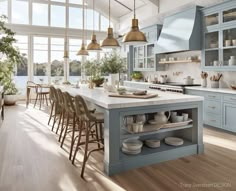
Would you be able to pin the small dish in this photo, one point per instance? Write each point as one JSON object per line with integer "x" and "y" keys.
{"x": 153, "y": 122}
{"x": 131, "y": 152}
{"x": 233, "y": 87}
{"x": 174, "y": 141}
{"x": 140, "y": 93}
{"x": 132, "y": 145}
{"x": 152, "y": 143}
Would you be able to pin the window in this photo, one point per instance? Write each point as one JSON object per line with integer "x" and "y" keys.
{"x": 3, "y": 7}
{"x": 89, "y": 20}
{"x": 80, "y": 2}
{"x": 57, "y": 60}
{"x": 40, "y": 59}
{"x": 21, "y": 76}
{"x": 40, "y": 14}
{"x": 20, "y": 11}
{"x": 75, "y": 18}
{"x": 104, "y": 23}
{"x": 75, "y": 61}
{"x": 58, "y": 16}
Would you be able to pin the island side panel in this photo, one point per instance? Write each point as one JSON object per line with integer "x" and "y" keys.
{"x": 112, "y": 127}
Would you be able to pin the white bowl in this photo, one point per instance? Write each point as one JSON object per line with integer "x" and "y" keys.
{"x": 132, "y": 145}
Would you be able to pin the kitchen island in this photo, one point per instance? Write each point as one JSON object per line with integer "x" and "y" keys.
{"x": 115, "y": 132}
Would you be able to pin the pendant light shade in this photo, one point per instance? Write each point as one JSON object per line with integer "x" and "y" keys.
{"x": 93, "y": 45}
{"x": 134, "y": 36}
{"x": 110, "y": 41}
{"x": 66, "y": 54}
{"x": 83, "y": 51}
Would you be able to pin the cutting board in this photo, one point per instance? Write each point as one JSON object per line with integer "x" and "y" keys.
{"x": 147, "y": 96}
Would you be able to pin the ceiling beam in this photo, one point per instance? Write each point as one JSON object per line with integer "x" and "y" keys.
{"x": 123, "y": 5}
{"x": 155, "y": 2}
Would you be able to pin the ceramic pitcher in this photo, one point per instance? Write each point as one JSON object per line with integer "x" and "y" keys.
{"x": 161, "y": 118}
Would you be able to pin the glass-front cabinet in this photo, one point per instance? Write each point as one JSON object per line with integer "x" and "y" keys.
{"x": 219, "y": 47}
{"x": 144, "y": 58}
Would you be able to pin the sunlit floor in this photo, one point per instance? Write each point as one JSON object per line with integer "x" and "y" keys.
{"x": 32, "y": 160}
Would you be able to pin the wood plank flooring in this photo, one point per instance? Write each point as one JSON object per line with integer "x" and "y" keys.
{"x": 32, "y": 160}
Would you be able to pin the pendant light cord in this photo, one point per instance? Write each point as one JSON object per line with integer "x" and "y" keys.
{"x": 93, "y": 18}
{"x": 134, "y": 10}
{"x": 83, "y": 21}
{"x": 109, "y": 13}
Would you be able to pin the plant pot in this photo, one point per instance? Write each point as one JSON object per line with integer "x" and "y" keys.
{"x": 215, "y": 84}
{"x": 113, "y": 79}
{"x": 98, "y": 82}
{"x": 10, "y": 100}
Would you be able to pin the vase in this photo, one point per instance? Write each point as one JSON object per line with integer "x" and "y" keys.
{"x": 204, "y": 82}
{"x": 10, "y": 99}
{"x": 113, "y": 79}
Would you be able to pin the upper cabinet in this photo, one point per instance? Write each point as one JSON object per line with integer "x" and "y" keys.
{"x": 144, "y": 58}
{"x": 219, "y": 37}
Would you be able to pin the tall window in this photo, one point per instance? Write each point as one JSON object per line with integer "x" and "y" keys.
{"x": 75, "y": 61}
{"x": 40, "y": 14}
{"x": 3, "y": 7}
{"x": 21, "y": 75}
{"x": 89, "y": 20}
{"x": 20, "y": 11}
{"x": 75, "y": 18}
{"x": 57, "y": 60}
{"x": 58, "y": 16}
{"x": 104, "y": 23}
{"x": 40, "y": 59}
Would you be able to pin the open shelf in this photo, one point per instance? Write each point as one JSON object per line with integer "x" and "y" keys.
{"x": 152, "y": 151}
{"x": 179, "y": 61}
{"x": 211, "y": 49}
{"x": 229, "y": 47}
{"x": 126, "y": 135}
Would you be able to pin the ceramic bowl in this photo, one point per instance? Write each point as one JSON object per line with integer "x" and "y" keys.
{"x": 177, "y": 119}
{"x": 132, "y": 144}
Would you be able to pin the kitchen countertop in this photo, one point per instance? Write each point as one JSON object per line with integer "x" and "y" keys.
{"x": 216, "y": 90}
{"x": 99, "y": 97}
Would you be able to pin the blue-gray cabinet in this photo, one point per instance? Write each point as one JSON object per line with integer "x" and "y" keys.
{"x": 143, "y": 56}
{"x": 219, "y": 37}
{"x": 219, "y": 109}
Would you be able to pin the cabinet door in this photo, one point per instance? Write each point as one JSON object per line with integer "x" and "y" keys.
{"x": 229, "y": 119}
{"x": 212, "y": 19}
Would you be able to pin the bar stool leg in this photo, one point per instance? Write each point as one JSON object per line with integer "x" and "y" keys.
{"x": 78, "y": 143}
{"x": 72, "y": 138}
{"x": 36, "y": 100}
{"x": 64, "y": 129}
{"x": 86, "y": 150}
{"x": 51, "y": 113}
{"x": 96, "y": 131}
{"x": 60, "y": 118}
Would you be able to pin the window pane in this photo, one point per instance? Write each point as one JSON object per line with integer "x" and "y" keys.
{"x": 40, "y": 59}
{"x": 57, "y": 60}
{"x": 75, "y": 61}
{"x": 62, "y": 1}
{"x": 20, "y": 13}
{"x": 3, "y": 7}
{"x": 89, "y": 20}
{"x": 80, "y": 2}
{"x": 57, "y": 16}
{"x": 40, "y": 14}
{"x": 75, "y": 18}
{"x": 104, "y": 23}
{"x": 21, "y": 76}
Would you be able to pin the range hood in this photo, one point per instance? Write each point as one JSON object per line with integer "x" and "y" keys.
{"x": 180, "y": 32}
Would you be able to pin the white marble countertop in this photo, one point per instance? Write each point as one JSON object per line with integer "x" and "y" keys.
{"x": 100, "y": 97}
{"x": 216, "y": 90}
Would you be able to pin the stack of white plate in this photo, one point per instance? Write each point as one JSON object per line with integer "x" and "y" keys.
{"x": 153, "y": 143}
{"x": 174, "y": 141}
{"x": 132, "y": 146}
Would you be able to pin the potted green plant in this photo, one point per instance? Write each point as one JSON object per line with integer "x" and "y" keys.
{"x": 93, "y": 69}
{"x": 113, "y": 64}
{"x": 136, "y": 75}
{"x": 9, "y": 57}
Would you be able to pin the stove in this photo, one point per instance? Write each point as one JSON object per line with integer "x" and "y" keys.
{"x": 171, "y": 87}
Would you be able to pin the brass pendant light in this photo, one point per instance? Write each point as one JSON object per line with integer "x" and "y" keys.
{"x": 93, "y": 45}
{"x": 66, "y": 52}
{"x": 83, "y": 51}
{"x": 134, "y": 36}
{"x": 110, "y": 41}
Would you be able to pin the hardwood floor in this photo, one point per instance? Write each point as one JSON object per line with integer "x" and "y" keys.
{"x": 32, "y": 160}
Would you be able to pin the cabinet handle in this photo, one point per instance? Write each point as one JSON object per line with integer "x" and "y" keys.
{"x": 211, "y": 96}
{"x": 212, "y": 107}
{"x": 234, "y": 99}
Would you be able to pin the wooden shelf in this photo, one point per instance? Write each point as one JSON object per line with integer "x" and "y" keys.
{"x": 179, "y": 61}
{"x": 126, "y": 135}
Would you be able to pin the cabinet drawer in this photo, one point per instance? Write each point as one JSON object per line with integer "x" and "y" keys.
{"x": 212, "y": 120}
{"x": 212, "y": 96}
{"x": 212, "y": 107}
{"x": 230, "y": 98}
